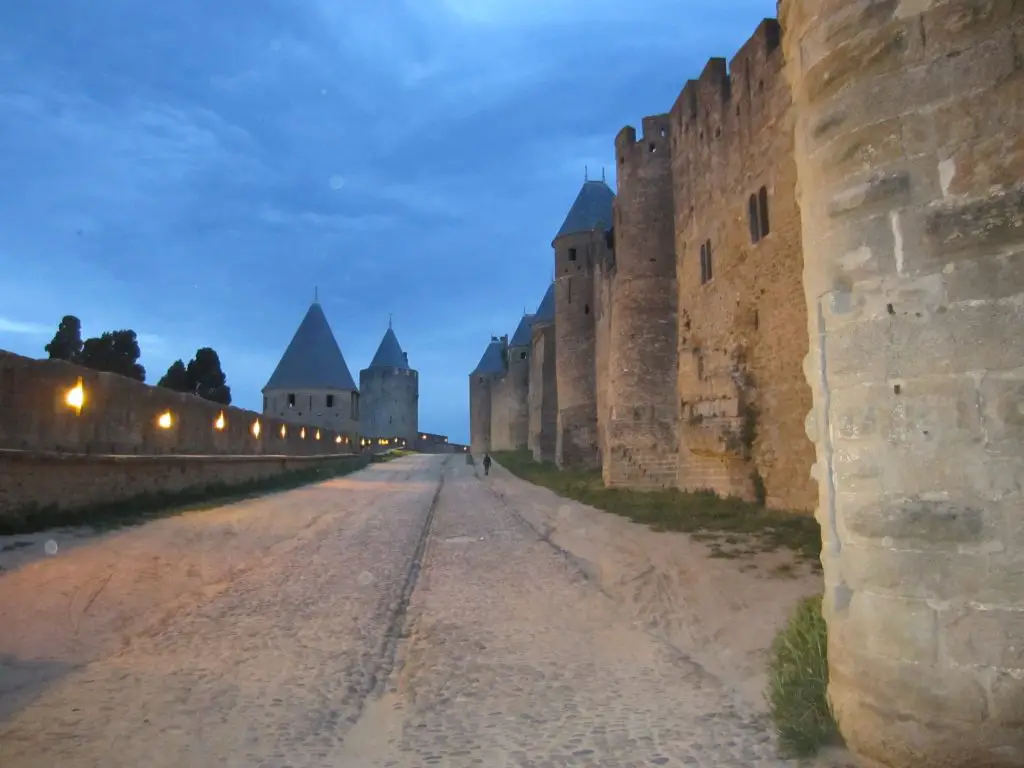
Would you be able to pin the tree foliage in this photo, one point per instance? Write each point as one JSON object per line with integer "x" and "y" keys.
{"x": 114, "y": 352}
{"x": 67, "y": 342}
{"x": 202, "y": 376}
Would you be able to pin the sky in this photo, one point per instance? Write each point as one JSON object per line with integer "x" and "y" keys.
{"x": 194, "y": 170}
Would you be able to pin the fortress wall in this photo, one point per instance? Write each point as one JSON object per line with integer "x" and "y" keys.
{"x": 543, "y": 394}
{"x": 642, "y": 450}
{"x": 742, "y": 339}
{"x": 389, "y": 403}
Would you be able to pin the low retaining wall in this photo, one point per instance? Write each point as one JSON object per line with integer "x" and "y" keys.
{"x": 122, "y": 416}
{"x": 33, "y": 480}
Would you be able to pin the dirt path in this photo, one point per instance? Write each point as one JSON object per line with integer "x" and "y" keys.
{"x": 406, "y": 615}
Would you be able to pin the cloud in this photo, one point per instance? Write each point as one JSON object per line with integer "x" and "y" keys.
{"x": 21, "y": 328}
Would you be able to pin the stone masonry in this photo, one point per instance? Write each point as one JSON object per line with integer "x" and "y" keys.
{"x": 910, "y": 159}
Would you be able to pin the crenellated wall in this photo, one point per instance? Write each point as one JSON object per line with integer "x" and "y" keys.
{"x": 742, "y": 394}
{"x": 641, "y": 410}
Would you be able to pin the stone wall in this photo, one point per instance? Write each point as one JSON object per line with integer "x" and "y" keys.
{"x": 742, "y": 341}
{"x": 604, "y": 283}
{"x": 480, "y": 412}
{"x": 336, "y": 409}
{"x": 32, "y": 480}
{"x": 641, "y": 369}
{"x": 543, "y": 393}
{"x": 121, "y": 416}
{"x": 910, "y": 154}
{"x": 389, "y": 403}
{"x": 576, "y": 439}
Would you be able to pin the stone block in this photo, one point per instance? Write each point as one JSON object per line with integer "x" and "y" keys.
{"x": 990, "y": 636}
{"x": 944, "y": 523}
{"x": 886, "y": 626}
{"x": 918, "y": 574}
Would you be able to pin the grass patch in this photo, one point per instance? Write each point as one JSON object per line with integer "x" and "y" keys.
{"x": 798, "y": 681}
{"x": 150, "y": 506}
{"x": 731, "y": 526}
{"x": 394, "y": 453}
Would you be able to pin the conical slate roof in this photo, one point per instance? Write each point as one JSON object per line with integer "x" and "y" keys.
{"x": 546, "y": 311}
{"x": 313, "y": 359}
{"x": 592, "y": 210}
{"x": 521, "y": 338}
{"x": 493, "y": 360}
{"x": 389, "y": 353}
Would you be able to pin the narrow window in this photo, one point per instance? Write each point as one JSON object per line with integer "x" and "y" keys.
{"x": 572, "y": 254}
{"x": 569, "y": 289}
{"x": 752, "y": 219}
{"x": 330, "y": 401}
{"x": 711, "y": 262}
{"x": 291, "y": 400}
{"x": 355, "y": 405}
{"x": 706, "y": 271}
{"x": 586, "y": 309}
{"x": 522, "y": 355}
{"x": 762, "y": 205}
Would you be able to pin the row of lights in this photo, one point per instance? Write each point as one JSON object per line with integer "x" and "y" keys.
{"x": 75, "y": 398}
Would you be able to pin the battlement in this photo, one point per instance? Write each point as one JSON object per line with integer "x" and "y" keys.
{"x": 655, "y": 141}
{"x": 704, "y": 103}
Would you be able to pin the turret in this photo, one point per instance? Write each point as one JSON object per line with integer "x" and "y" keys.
{"x": 579, "y": 244}
{"x": 390, "y": 393}
{"x": 491, "y": 368}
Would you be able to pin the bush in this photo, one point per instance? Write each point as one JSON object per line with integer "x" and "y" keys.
{"x": 797, "y": 691}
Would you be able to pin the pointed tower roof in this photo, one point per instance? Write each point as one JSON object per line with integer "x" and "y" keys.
{"x": 313, "y": 359}
{"x": 592, "y": 210}
{"x": 493, "y": 360}
{"x": 521, "y": 338}
{"x": 389, "y": 353}
{"x": 546, "y": 311}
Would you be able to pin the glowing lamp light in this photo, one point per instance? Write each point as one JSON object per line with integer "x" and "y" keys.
{"x": 302, "y": 433}
{"x": 337, "y": 439}
{"x": 165, "y": 420}
{"x": 317, "y": 435}
{"x": 256, "y": 428}
{"x": 75, "y": 396}
{"x": 219, "y": 423}
{"x": 284, "y": 430}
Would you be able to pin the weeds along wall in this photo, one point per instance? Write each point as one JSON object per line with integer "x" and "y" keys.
{"x": 122, "y": 416}
{"x": 742, "y": 317}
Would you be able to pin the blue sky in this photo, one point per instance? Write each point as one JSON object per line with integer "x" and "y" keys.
{"x": 192, "y": 169}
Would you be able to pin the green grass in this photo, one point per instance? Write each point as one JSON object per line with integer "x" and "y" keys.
{"x": 798, "y": 682}
{"x": 150, "y": 506}
{"x": 731, "y": 527}
{"x": 394, "y": 453}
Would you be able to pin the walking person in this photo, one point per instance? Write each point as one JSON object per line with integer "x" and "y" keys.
{"x": 487, "y": 464}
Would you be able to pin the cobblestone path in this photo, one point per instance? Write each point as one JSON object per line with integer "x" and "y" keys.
{"x": 505, "y": 656}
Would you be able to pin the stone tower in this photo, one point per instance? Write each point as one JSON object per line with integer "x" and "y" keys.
{"x": 910, "y": 167}
{"x": 578, "y": 246}
{"x": 543, "y": 393}
{"x": 390, "y": 393}
{"x": 510, "y": 414}
{"x": 491, "y": 368}
{"x": 312, "y": 384}
{"x": 642, "y": 445}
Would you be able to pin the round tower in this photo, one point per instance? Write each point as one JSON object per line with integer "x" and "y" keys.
{"x": 390, "y": 393}
{"x": 518, "y": 385}
{"x": 578, "y": 246}
{"x": 642, "y": 446}
{"x": 910, "y": 166}
{"x": 490, "y": 369}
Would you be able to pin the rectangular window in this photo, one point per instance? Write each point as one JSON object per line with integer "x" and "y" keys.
{"x": 330, "y": 401}
{"x": 291, "y": 400}
{"x": 572, "y": 254}
{"x": 706, "y": 268}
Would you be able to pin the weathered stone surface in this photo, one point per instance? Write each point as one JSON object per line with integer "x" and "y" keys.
{"x": 916, "y": 377}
